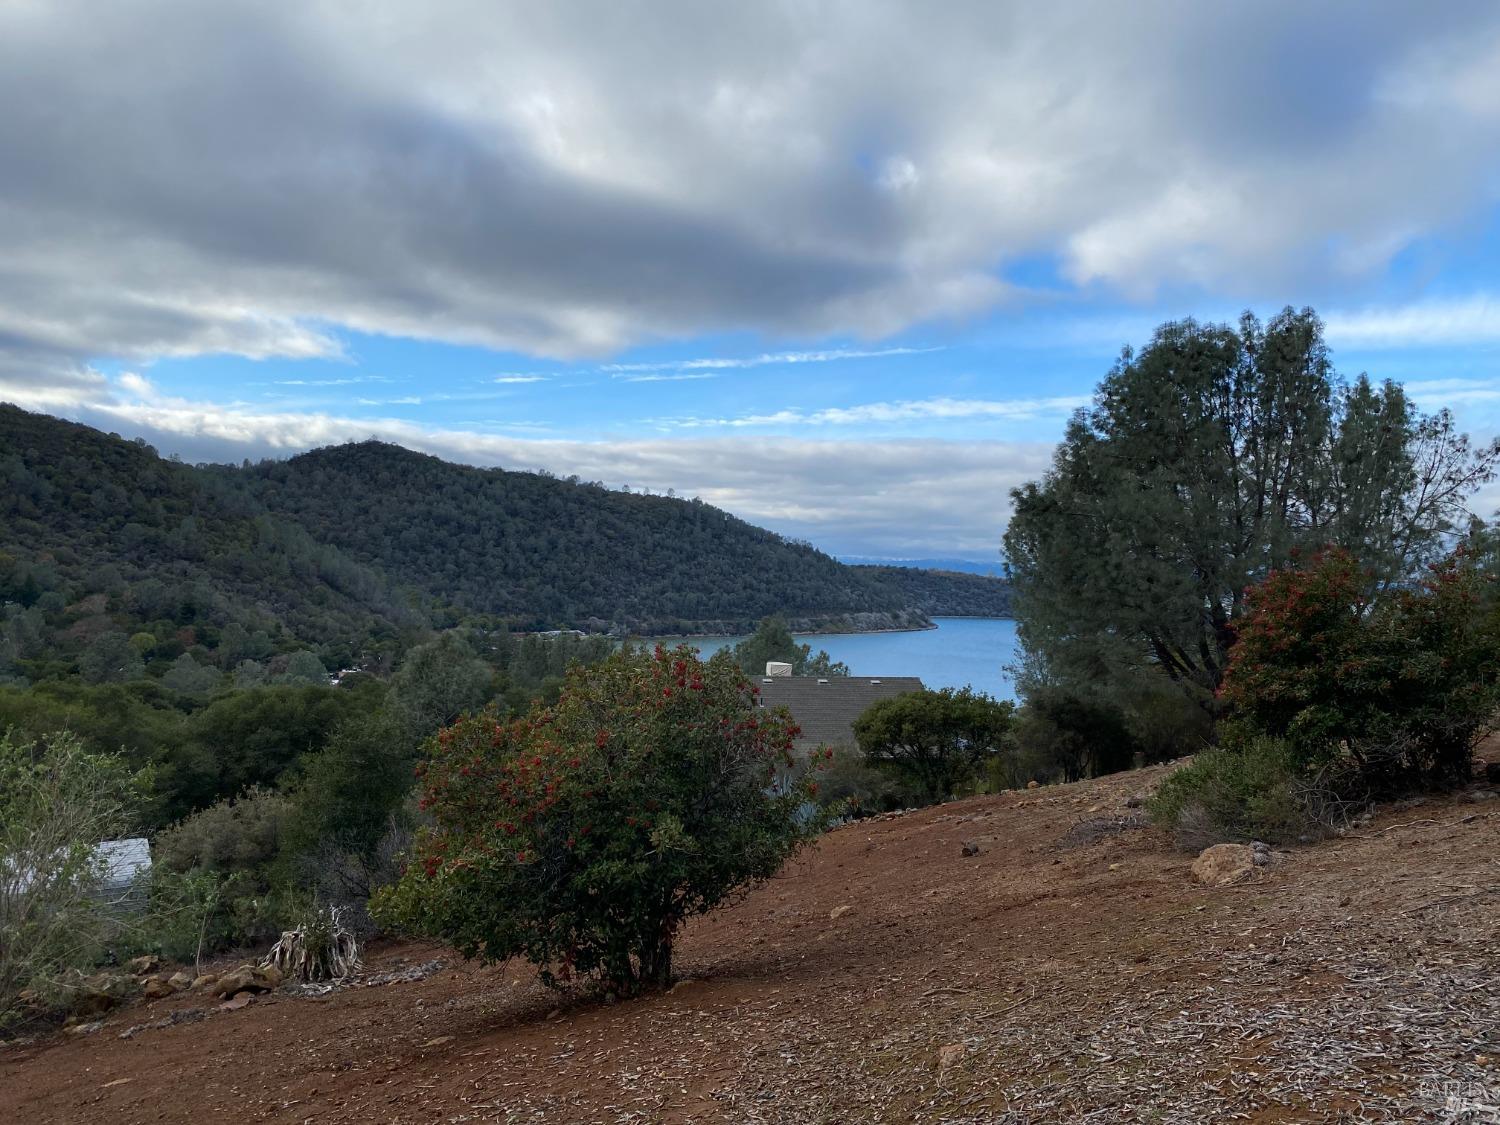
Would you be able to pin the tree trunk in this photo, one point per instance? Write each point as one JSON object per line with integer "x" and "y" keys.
{"x": 656, "y": 965}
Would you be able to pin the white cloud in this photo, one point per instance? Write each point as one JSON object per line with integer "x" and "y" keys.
{"x": 777, "y": 359}
{"x": 662, "y": 377}
{"x": 569, "y": 180}
{"x": 890, "y": 412}
{"x": 515, "y": 379}
{"x": 1458, "y": 321}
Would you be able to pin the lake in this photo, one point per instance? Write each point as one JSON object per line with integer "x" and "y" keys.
{"x": 960, "y": 652}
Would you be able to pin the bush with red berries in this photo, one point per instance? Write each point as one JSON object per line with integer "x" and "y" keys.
{"x": 582, "y": 835}
{"x": 1392, "y": 686}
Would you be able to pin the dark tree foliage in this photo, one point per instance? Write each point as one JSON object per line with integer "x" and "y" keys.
{"x": 772, "y": 640}
{"x": 934, "y": 740}
{"x": 1208, "y": 459}
{"x": 141, "y": 543}
{"x": 543, "y": 553}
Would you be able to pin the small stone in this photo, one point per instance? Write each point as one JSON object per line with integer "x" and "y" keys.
{"x": 1033, "y": 784}
{"x": 839, "y": 911}
{"x": 949, "y": 1056}
{"x": 438, "y": 1042}
{"x": 180, "y": 980}
{"x": 240, "y": 1000}
{"x": 970, "y": 848}
{"x": 156, "y": 988}
{"x": 82, "y": 1029}
{"x": 147, "y": 963}
{"x": 206, "y": 981}
{"x": 1115, "y": 866}
{"x": 1482, "y": 795}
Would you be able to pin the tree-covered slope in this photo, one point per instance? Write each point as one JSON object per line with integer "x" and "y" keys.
{"x": 546, "y": 552}
{"x": 354, "y": 550}
{"x": 98, "y": 532}
{"x": 944, "y": 593}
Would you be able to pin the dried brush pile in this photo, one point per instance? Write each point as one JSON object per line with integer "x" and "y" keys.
{"x": 322, "y": 948}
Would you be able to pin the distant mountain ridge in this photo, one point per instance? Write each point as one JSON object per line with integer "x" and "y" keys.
{"x": 358, "y": 545}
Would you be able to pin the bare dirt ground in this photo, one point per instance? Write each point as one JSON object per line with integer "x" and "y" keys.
{"x": 1071, "y": 971}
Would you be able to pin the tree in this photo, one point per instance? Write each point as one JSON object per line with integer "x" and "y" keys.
{"x": 188, "y": 677}
{"x": 1078, "y": 733}
{"x": 57, "y": 803}
{"x": 303, "y": 668}
{"x": 436, "y": 683}
{"x": 933, "y": 740}
{"x": 583, "y": 835}
{"x": 1206, "y": 461}
{"x": 111, "y": 659}
{"x": 774, "y": 641}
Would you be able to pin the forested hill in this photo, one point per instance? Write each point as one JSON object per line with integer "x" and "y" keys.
{"x": 98, "y": 534}
{"x": 359, "y": 545}
{"x": 544, "y": 552}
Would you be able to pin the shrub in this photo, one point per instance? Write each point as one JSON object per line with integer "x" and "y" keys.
{"x": 1254, "y": 791}
{"x": 850, "y": 785}
{"x": 1391, "y": 690}
{"x": 933, "y": 741}
{"x": 581, "y": 836}
{"x": 241, "y": 834}
{"x": 57, "y": 803}
{"x": 216, "y": 880}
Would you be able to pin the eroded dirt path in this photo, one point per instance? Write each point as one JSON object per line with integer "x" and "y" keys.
{"x": 1068, "y": 972}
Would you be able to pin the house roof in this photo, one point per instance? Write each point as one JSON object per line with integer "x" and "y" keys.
{"x": 825, "y": 709}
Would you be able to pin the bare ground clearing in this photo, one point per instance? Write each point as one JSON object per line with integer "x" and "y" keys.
{"x": 1071, "y": 971}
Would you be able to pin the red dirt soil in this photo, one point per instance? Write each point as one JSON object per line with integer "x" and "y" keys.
{"x": 1071, "y": 971}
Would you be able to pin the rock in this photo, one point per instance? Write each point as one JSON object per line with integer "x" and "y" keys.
{"x": 949, "y": 1056}
{"x": 101, "y": 992}
{"x": 970, "y": 848}
{"x": 272, "y": 974}
{"x": 82, "y": 1029}
{"x": 839, "y": 911}
{"x": 240, "y": 1000}
{"x": 180, "y": 980}
{"x": 1224, "y": 864}
{"x": 1033, "y": 784}
{"x": 140, "y": 966}
{"x": 1115, "y": 866}
{"x": 156, "y": 988}
{"x": 247, "y": 978}
{"x": 438, "y": 1042}
{"x": 1482, "y": 795}
{"x": 205, "y": 982}
{"x": 1135, "y": 800}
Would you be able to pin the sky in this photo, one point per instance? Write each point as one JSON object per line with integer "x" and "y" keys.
{"x": 843, "y": 269}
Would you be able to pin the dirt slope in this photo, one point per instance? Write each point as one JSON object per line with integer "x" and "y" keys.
{"x": 1068, "y": 972}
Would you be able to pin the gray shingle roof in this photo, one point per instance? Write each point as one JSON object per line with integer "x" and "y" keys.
{"x": 826, "y": 709}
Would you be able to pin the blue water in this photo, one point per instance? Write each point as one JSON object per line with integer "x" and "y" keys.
{"x": 960, "y": 652}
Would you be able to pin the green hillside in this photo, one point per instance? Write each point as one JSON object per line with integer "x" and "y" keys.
{"x": 353, "y": 551}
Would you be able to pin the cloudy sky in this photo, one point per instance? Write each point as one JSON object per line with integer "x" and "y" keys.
{"x": 842, "y": 268}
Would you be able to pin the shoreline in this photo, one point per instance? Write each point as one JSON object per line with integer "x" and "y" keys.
{"x": 828, "y": 632}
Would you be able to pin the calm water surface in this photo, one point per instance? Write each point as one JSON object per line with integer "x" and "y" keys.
{"x": 960, "y": 652}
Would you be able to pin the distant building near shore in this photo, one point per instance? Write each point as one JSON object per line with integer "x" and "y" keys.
{"x": 825, "y": 708}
